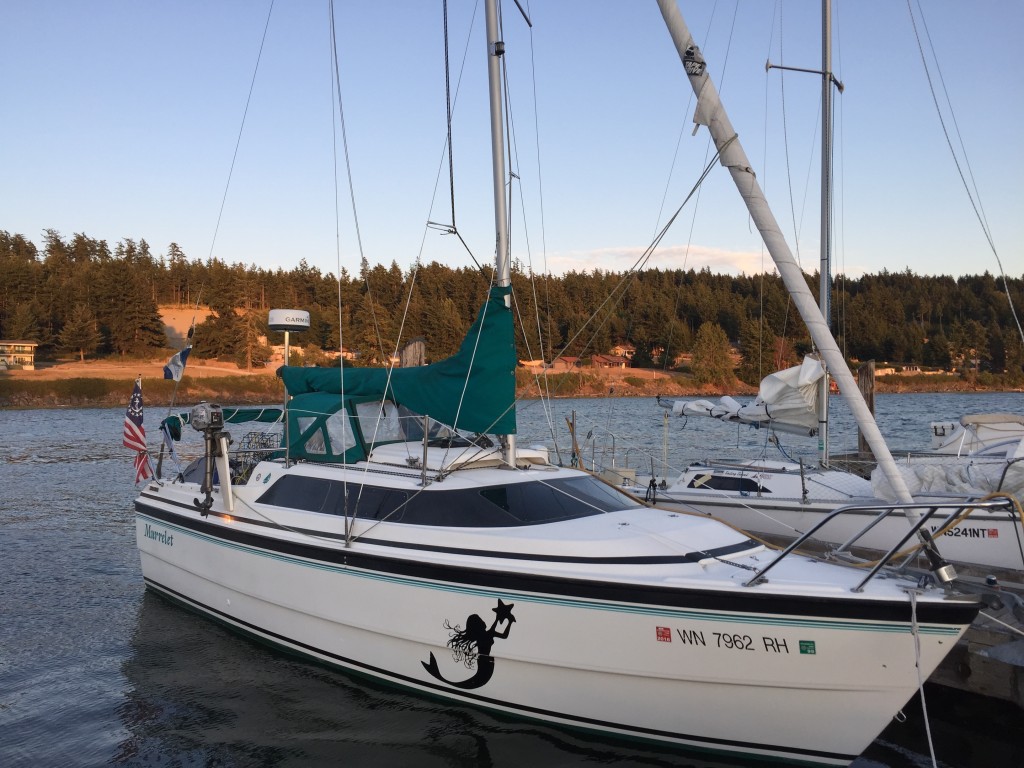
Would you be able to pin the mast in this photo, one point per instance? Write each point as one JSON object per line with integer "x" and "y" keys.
{"x": 709, "y": 112}
{"x": 495, "y": 50}
{"x": 825, "y": 267}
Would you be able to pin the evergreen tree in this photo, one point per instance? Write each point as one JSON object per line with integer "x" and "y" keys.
{"x": 312, "y": 354}
{"x": 219, "y": 334}
{"x": 1014, "y": 350}
{"x": 80, "y": 333}
{"x": 996, "y": 349}
{"x": 758, "y": 346}
{"x": 373, "y": 339}
{"x": 443, "y": 330}
{"x": 251, "y": 350}
{"x": 712, "y": 360}
{"x": 936, "y": 352}
{"x": 677, "y": 339}
{"x": 176, "y": 279}
{"x": 22, "y": 325}
{"x": 642, "y": 356}
{"x": 131, "y": 318}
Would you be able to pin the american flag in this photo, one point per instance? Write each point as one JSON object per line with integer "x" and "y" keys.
{"x": 135, "y": 433}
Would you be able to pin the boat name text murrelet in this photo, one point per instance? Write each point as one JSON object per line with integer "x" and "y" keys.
{"x": 162, "y": 536}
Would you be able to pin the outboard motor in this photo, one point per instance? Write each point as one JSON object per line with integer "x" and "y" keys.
{"x": 208, "y": 418}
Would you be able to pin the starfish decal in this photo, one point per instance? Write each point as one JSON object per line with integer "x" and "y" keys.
{"x": 504, "y": 611}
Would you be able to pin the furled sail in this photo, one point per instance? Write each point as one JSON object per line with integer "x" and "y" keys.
{"x": 787, "y": 401}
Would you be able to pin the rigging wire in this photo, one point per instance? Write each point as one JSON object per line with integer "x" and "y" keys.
{"x": 336, "y": 89}
{"x": 630, "y": 274}
{"x": 541, "y": 335}
{"x": 841, "y": 198}
{"x": 241, "y": 128}
{"x": 363, "y": 262}
{"x": 671, "y": 173}
{"x": 974, "y": 197}
{"x": 451, "y": 229}
{"x": 336, "y": 102}
{"x": 227, "y": 185}
{"x": 764, "y": 183}
{"x": 448, "y": 107}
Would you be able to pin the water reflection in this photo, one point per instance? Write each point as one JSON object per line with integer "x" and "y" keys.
{"x": 198, "y": 694}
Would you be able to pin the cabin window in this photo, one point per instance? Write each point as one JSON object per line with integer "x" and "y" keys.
{"x": 512, "y": 505}
{"x": 309, "y": 494}
{"x": 369, "y": 503}
{"x": 515, "y": 504}
{"x": 592, "y": 492}
{"x": 732, "y": 484}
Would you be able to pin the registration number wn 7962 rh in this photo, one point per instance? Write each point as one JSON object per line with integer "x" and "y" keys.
{"x": 732, "y": 641}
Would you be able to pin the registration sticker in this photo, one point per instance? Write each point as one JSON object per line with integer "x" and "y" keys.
{"x": 807, "y": 646}
{"x": 664, "y": 635}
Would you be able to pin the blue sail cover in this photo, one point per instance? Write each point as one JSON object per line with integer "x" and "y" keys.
{"x": 473, "y": 390}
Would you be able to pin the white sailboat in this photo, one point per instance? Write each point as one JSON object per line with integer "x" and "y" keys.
{"x": 978, "y": 434}
{"x": 381, "y": 541}
{"x": 784, "y": 498}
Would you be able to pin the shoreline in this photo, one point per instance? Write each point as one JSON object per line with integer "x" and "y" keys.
{"x": 98, "y": 383}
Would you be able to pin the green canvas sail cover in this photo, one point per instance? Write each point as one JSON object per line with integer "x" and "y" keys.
{"x": 473, "y": 390}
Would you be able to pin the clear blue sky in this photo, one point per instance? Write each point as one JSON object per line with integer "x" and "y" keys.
{"x": 120, "y": 119}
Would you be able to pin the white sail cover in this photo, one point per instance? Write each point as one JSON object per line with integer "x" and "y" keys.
{"x": 973, "y": 476}
{"x": 787, "y": 401}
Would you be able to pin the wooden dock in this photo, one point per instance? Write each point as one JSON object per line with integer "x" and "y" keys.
{"x": 989, "y": 659}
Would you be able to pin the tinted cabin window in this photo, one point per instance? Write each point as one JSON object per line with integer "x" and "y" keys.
{"x": 734, "y": 484}
{"x": 497, "y": 506}
{"x": 516, "y": 504}
{"x": 295, "y": 492}
{"x": 369, "y": 503}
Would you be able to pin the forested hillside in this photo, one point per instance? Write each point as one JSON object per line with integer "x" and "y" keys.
{"x": 79, "y": 296}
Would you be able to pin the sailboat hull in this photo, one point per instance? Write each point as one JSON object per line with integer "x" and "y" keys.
{"x": 685, "y": 658}
{"x": 986, "y": 540}
{"x": 774, "y": 507}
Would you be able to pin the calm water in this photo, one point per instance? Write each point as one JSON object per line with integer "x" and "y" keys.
{"x": 95, "y": 671}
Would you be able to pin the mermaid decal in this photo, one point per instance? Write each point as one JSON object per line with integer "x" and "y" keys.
{"x": 472, "y": 646}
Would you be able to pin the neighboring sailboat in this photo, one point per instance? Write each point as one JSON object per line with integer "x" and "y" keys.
{"x": 784, "y": 498}
{"x": 390, "y": 543}
{"x": 978, "y": 434}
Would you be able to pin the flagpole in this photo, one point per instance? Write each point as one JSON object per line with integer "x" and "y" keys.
{"x": 187, "y": 345}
